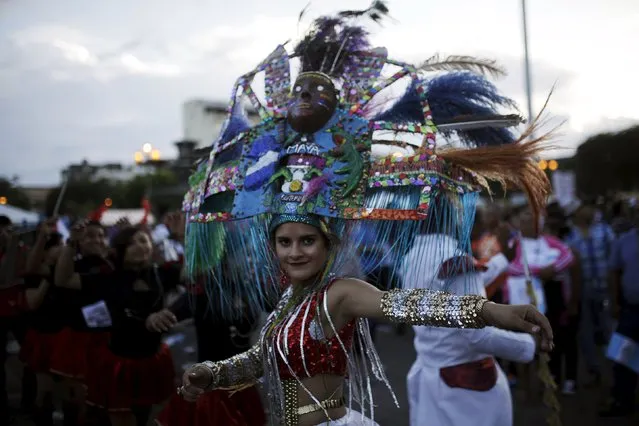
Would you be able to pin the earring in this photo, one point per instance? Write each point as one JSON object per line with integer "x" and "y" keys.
{"x": 285, "y": 281}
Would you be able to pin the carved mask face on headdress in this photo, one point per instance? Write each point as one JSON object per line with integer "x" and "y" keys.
{"x": 313, "y": 102}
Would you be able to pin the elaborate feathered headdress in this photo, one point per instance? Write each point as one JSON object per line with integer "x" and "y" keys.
{"x": 255, "y": 170}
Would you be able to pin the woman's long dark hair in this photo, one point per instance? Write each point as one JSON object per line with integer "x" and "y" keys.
{"x": 120, "y": 242}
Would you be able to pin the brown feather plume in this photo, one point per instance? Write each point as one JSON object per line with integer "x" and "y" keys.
{"x": 513, "y": 165}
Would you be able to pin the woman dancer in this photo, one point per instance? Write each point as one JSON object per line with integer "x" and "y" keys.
{"x": 44, "y": 321}
{"x": 135, "y": 371}
{"x": 331, "y": 307}
{"x": 77, "y": 343}
{"x": 280, "y": 192}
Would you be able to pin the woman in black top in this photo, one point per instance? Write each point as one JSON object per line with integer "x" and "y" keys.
{"x": 43, "y": 321}
{"x": 135, "y": 371}
{"x": 77, "y": 342}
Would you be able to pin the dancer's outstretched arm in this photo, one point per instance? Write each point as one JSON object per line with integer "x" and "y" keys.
{"x": 235, "y": 373}
{"x": 355, "y": 298}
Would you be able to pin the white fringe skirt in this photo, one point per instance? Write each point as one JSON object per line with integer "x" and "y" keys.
{"x": 352, "y": 418}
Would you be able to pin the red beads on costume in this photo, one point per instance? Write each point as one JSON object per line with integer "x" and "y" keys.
{"x": 320, "y": 355}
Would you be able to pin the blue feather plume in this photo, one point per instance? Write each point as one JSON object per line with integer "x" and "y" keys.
{"x": 408, "y": 108}
{"x": 238, "y": 122}
{"x": 458, "y": 94}
{"x": 452, "y": 96}
{"x": 463, "y": 93}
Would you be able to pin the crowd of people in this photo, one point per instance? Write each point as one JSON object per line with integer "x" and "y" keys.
{"x": 89, "y": 315}
{"x": 584, "y": 267}
{"x": 337, "y": 211}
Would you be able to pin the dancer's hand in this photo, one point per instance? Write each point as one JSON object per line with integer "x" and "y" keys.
{"x": 47, "y": 227}
{"x": 547, "y": 273}
{"x": 524, "y": 318}
{"x": 161, "y": 321}
{"x": 195, "y": 381}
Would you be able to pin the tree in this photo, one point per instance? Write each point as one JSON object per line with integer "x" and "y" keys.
{"x": 130, "y": 194}
{"x": 83, "y": 197}
{"x": 606, "y": 163}
{"x": 12, "y": 194}
{"x": 80, "y": 197}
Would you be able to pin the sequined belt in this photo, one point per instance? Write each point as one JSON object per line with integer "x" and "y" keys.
{"x": 292, "y": 411}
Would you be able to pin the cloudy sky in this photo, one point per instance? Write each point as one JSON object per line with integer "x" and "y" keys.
{"x": 96, "y": 79}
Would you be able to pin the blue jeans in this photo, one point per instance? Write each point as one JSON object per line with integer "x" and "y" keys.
{"x": 594, "y": 329}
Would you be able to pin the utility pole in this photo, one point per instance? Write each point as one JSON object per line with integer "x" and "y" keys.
{"x": 527, "y": 63}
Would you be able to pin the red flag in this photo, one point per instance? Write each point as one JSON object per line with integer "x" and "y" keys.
{"x": 146, "y": 205}
{"x": 96, "y": 215}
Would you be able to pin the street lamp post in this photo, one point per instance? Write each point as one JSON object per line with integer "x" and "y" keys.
{"x": 143, "y": 157}
{"x": 148, "y": 153}
{"x": 527, "y": 63}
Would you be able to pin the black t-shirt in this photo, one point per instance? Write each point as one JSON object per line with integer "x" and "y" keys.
{"x": 87, "y": 267}
{"x": 12, "y": 303}
{"x": 48, "y": 318}
{"x": 130, "y": 298}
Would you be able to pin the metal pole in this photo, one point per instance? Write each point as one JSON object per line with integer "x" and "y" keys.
{"x": 63, "y": 190}
{"x": 527, "y": 63}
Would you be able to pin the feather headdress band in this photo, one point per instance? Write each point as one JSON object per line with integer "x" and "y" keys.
{"x": 311, "y": 220}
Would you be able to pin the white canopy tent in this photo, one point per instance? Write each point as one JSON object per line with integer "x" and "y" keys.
{"x": 18, "y": 216}
{"x": 111, "y": 216}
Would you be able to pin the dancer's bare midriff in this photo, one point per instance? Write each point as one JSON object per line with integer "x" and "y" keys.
{"x": 322, "y": 387}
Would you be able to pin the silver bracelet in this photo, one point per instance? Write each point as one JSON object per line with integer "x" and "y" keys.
{"x": 211, "y": 367}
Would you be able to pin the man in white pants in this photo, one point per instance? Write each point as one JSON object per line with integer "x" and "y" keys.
{"x": 455, "y": 380}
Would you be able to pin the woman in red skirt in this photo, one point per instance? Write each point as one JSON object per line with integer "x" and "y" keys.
{"x": 216, "y": 340}
{"x": 77, "y": 342}
{"x": 43, "y": 320}
{"x": 135, "y": 371}
{"x": 13, "y": 255}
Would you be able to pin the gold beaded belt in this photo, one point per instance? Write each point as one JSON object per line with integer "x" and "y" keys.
{"x": 327, "y": 404}
{"x": 291, "y": 417}
{"x": 292, "y": 411}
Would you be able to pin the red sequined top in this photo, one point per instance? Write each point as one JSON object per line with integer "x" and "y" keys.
{"x": 321, "y": 356}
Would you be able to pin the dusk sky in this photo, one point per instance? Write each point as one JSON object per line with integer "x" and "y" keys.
{"x": 97, "y": 79}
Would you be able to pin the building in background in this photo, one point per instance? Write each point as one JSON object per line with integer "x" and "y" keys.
{"x": 112, "y": 172}
{"x": 202, "y": 120}
{"x": 201, "y": 123}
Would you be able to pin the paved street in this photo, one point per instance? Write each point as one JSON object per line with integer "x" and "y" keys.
{"x": 397, "y": 354}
